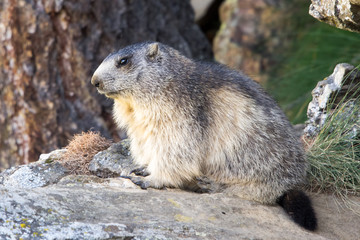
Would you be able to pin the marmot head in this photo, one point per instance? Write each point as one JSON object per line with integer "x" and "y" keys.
{"x": 138, "y": 69}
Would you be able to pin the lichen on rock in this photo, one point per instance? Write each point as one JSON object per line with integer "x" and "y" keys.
{"x": 37, "y": 174}
{"x": 339, "y": 87}
{"x": 343, "y": 14}
{"x": 70, "y": 206}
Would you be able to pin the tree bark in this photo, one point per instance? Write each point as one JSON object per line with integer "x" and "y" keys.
{"x": 49, "y": 50}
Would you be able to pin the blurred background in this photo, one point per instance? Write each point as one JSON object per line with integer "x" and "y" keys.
{"x": 49, "y": 50}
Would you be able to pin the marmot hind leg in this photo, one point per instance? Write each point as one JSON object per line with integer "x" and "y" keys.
{"x": 141, "y": 171}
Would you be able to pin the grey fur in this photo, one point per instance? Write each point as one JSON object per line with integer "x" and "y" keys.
{"x": 188, "y": 119}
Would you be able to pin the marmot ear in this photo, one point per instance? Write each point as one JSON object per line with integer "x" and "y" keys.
{"x": 153, "y": 50}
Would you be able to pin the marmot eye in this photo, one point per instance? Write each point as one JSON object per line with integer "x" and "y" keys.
{"x": 122, "y": 62}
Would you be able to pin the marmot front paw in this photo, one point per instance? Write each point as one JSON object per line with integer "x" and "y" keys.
{"x": 141, "y": 182}
{"x": 141, "y": 171}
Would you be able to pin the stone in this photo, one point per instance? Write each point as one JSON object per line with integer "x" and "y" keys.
{"x": 37, "y": 174}
{"x": 91, "y": 180}
{"x": 252, "y": 35}
{"x": 343, "y": 14}
{"x": 52, "y": 156}
{"x": 42, "y": 201}
{"x": 200, "y": 7}
{"x": 113, "y": 162}
{"x": 343, "y": 85}
{"x": 88, "y": 207}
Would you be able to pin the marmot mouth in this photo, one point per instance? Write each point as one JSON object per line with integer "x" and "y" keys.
{"x": 107, "y": 93}
{"x": 111, "y": 94}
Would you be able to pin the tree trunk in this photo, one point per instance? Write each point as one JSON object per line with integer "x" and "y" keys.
{"x": 49, "y": 50}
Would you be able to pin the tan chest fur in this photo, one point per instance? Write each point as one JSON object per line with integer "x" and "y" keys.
{"x": 160, "y": 140}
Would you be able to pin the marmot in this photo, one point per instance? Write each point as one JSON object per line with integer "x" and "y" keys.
{"x": 188, "y": 119}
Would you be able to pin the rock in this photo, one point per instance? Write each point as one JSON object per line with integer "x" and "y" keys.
{"x": 82, "y": 180}
{"x": 252, "y": 35}
{"x": 343, "y": 14}
{"x": 81, "y": 207}
{"x": 339, "y": 87}
{"x": 52, "y": 156}
{"x": 37, "y": 174}
{"x": 113, "y": 162}
{"x": 200, "y": 7}
{"x": 88, "y": 207}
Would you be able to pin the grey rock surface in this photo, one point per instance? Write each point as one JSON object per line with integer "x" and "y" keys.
{"x": 248, "y": 26}
{"x": 343, "y": 14}
{"x": 341, "y": 84}
{"x": 89, "y": 207}
{"x": 38, "y": 174}
{"x": 113, "y": 162}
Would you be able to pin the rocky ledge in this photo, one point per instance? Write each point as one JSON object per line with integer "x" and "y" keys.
{"x": 43, "y": 201}
{"x": 343, "y": 14}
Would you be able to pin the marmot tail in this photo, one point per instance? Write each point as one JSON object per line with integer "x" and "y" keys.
{"x": 298, "y": 206}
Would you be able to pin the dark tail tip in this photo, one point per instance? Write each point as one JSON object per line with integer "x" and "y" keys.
{"x": 299, "y": 207}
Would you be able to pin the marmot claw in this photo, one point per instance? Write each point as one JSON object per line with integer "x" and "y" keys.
{"x": 141, "y": 182}
{"x": 141, "y": 171}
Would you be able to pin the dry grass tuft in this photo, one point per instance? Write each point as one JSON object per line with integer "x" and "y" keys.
{"x": 81, "y": 149}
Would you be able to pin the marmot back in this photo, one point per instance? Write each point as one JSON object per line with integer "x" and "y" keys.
{"x": 188, "y": 119}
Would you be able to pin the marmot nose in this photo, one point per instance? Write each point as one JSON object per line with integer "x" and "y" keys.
{"x": 96, "y": 81}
